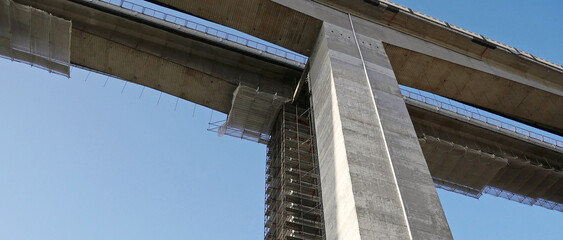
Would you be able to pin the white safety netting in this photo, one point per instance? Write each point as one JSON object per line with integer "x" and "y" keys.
{"x": 252, "y": 114}
{"x": 35, "y": 37}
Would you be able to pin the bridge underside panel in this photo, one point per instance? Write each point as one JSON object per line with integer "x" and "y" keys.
{"x": 487, "y": 91}
{"x": 449, "y": 63}
{"x": 436, "y": 31}
{"x": 151, "y": 71}
{"x": 167, "y": 57}
{"x": 522, "y": 81}
{"x": 472, "y": 172}
{"x": 474, "y": 158}
{"x": 457, "y": 164}
{"x": 261, "y": 18}
{"x": 35, "y": 37}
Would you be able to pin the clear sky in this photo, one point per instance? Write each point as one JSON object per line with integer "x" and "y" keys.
{"x": 82, "y": 158}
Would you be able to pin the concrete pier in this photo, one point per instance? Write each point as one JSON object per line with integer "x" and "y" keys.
{"x": 374, "y": 178}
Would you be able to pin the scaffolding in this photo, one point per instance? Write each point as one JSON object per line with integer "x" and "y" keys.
{"x": 293, "y": 208}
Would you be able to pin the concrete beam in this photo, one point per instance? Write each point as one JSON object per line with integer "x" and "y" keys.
{"x": 422, "y": 62}
{"x": 277, "y": 28}
{"x": 375, "y": 181}
{"x": 291, "y": 27}
{"x": 167, "y": 57}
{"x": 261, "y": 18}
{"x": 500, "y": 85}
{"x": 484, "y": 90}
{"x": 416, "y": 24}
{"x": 473, "y": 156}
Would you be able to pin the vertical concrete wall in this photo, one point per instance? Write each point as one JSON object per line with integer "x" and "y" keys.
{"x": 375, "y": 181}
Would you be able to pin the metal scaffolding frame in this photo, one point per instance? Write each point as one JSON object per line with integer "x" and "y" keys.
{"x": 293, "y": 208}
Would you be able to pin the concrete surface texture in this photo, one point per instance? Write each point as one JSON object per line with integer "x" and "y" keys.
{"x": 435, "y": 59}
{"x": 524, "y": 80}
{"x": 264, "y": 19}
{"x": 474, "y": 158}
{"x": 178, "y": 61}
{"x": 424, "y": 55}
{"x": 375, "y": 181}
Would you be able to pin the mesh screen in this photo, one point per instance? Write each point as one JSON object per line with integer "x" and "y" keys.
{"x": 35, "y": 37}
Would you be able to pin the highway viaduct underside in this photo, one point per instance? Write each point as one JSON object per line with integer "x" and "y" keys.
{"x": 354, "y": 58}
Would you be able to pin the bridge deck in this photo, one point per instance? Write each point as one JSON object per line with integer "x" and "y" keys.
{"x": 205, "y": 70}
{"x": 443, "y": 53}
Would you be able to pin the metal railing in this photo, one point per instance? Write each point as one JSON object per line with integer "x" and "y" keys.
{"x": 486, "y": 119}
{"x": 208, "y": 30}
{"x": 302, "y": 59}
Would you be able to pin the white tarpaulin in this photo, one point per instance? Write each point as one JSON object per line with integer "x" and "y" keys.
{"x": 35, "y": 37}
{"x": 252, "y": 114}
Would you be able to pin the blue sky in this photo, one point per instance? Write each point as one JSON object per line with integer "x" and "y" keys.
{"x": 84, "y": 159}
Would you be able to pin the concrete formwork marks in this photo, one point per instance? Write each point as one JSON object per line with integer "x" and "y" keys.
{"x": 358, "y": 141}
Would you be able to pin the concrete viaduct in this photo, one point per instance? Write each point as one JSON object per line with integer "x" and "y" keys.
{"x": 379, "y": 154}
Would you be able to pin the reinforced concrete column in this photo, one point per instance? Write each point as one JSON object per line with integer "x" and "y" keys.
{"x": 374, "y": 179}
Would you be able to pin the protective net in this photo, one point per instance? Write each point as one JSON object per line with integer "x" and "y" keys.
{"x": 34, "y": 37}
